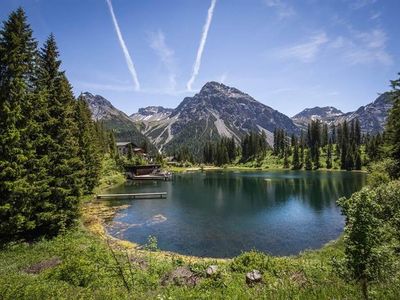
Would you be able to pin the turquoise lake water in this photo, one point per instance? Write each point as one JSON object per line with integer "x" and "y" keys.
{"x": 222, "y": 213}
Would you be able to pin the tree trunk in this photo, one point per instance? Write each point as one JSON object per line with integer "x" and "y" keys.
{"x": 364, "y": 287}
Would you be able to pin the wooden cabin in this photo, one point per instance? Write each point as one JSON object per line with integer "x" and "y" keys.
{"x": 123, "y": 149}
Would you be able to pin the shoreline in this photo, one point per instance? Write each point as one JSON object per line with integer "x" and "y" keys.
{"x": 240, "y": 168}
{"x": 96, "y": 213}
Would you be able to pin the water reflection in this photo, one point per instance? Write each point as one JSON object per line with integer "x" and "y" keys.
{"x": 220, "y": 213}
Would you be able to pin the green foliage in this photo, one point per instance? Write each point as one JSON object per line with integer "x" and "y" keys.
{"x": 371, "y": 225}
{"x": 392, "y": 129}
{"x": 89, "y": 270}
{"x": 296, "y": 164}
{"x": 329, "y": 156}
{"x": 381, "y": 172}
{"x": 89, "y": 148}
{"x": 50, "y": 149}
{"x": 152, "y": 243}
{"x": 251, "y": 260}
{"x": 254, "y": 145}
{"x": 221, "y": 152}
{"x": 308, "y": 163}
{"x": 18, "y": 70}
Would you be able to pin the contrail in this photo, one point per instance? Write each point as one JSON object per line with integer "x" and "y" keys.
{"x": 204, "y": 34}
{"x": 128, "y": 58}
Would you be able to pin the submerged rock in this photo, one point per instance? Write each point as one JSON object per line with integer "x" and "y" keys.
{"x": 155, "y": 220}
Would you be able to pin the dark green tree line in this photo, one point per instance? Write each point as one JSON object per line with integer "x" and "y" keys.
{"x": 50, "y": 148}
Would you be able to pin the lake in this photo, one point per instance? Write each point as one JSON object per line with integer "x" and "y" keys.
{"x": 222, "y": 213}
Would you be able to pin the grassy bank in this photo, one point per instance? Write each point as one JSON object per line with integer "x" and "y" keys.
{"x": 80, "y": 264}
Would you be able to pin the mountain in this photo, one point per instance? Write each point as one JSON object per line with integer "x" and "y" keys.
{"x": 151, "y": 114}
{"x": 113, "y": 119}
{"x": 372, "y": 116}
{"x": 326, "y": 114}
{"x": 217, "y": 110}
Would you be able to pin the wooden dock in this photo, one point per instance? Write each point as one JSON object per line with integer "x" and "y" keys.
{"x": 151, "y": 177}
{"x": 160, "y": 195}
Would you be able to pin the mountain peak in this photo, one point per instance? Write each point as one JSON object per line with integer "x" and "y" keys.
{"x": 319, "y": 112}
{"x": 213, "y": 88}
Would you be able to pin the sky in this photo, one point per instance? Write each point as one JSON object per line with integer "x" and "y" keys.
{"x": 286, "y": 54}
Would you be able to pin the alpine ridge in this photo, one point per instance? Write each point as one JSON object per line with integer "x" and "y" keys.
{"x": 113, "y": 119}
{"x": 216, "y": 111}
{"x": 222, "y": 111}
{"x": 372, "y": 116}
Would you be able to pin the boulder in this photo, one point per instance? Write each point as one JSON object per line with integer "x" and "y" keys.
{"x": 212, "y": 270}
{"x": 253, "y": 277}
{"x": 181, "y": 276}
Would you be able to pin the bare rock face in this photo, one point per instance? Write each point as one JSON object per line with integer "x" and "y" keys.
{"x": 253, "y": 277}
{"x": 212, "y": 270}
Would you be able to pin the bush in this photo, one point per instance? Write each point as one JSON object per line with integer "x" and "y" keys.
{"x": 252, "y": 260}
{"x": 372, "y": 227}
{"x": 381, "y": 172}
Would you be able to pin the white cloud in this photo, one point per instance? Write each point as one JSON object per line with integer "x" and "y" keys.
{"x": 375, "y": 16}
{"x": 359, "y": 4}
{"x": 105, "y": 87}
{"x": 305, "y": 52}
{"x": 223, "y": 77}
{"x": 364, "y": 47}
{"x": 197, "y": 63}
{"x": 166, "y": 55}
{"x": 283, "y": 9}
{"x": 128, "y": 57}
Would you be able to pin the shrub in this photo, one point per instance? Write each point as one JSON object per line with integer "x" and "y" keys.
{"x": 248, "y": 261}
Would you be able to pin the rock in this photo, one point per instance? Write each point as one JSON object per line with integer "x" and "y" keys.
{"x": 253, "y": 277}
{"x": 43, "y": 265}
{"x": 212, "y": 270}
{"x": 181, "y": 276}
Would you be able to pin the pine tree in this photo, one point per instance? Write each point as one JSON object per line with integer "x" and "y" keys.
{"x": 112, "y": 145}
{"x": 392, "y": 129}
{"x": 308, "y": 164}
{"x": 286, "y": 159}
{"x": 357, "y": 132}
{"x": 61, "y": 206}
{"x": 88, "y": 146}
{"x": 329, "y": 156}
{"x": 357, "y": 160}
{"x": 296, "y": 164}
{"x": 325, "y": 136}
{"x": 349, "y": 161}
{"x": 345, "y": 156}
{"x": 316, "y": 157}
{"x": 18, "y": 54}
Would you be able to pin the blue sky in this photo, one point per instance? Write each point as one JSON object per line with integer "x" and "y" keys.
{"x": 286, "y": 54}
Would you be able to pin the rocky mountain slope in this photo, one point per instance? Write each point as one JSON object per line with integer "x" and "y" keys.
{"x": 151, "y": 114}
{"x": 216, "y": 111}
{"x": 326, "y": 114}
{"x": 124, "y": 128}
{"x": 219, "y": 110}
{"x": 372, "y": 116}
